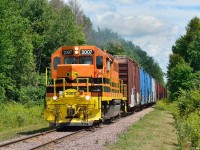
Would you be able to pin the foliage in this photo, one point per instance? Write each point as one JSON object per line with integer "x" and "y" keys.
{"x": 182, "y": 44}
{"x": 33, "y": 95}
{"x": 18, "y": 115}
{"x": 184, "y": 85}
{"x": 188, "y": 119}
{"x": 180, "y": 78}
{"x": 17, "y": 61}
{"x": 194, "y": 53}
{"x": 52, "y": 25}
{"x": 165, "y": 104}
{"x": 188, "y": 102}
{"x": 29, "y": 35}
{"x": 185, "y": 53}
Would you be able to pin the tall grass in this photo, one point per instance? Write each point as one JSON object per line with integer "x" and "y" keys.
{"x": 187, "y": 118}
{"x": 15, "y": 115}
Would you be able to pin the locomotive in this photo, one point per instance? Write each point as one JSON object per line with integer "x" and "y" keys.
{"x": 88, "y": 86}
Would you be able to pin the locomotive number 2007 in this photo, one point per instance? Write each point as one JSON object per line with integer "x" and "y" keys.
{"x": 87, "y": 52}
{"x": 67, "y": 52}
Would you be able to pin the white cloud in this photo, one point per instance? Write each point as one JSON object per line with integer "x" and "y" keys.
{"x": 136, "y": 26}
{"x": 154, "y": 25}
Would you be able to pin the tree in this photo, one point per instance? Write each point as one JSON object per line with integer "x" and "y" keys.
{"x": 181, "y": 46}
{"x": 180, "y": 78}
{"x": 52, "y": 24}
{"x": 185, "y": 52}
{"x": 17, "y": 62}
{"x": 194, "y": 53}
{"x": 81, "y": 19}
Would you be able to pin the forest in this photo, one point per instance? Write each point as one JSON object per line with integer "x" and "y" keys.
{"x": 31, "y": 30}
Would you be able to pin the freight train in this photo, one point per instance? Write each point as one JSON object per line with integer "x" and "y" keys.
{"x": 86, "y": 85}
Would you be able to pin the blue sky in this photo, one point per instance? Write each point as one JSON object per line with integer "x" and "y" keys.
{"x": 154, "y": 25}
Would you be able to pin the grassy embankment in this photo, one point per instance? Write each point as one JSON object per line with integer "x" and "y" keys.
{"x": 155, "y": 131}
{"x": 17, "y": 119}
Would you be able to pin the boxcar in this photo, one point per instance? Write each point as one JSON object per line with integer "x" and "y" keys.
{"x": 129, "y": 73}
{"x": 153, "y": 90}
{"x": 160, "y": 91}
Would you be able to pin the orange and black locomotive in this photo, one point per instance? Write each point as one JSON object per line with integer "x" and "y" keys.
{"x": 84, "y": 87}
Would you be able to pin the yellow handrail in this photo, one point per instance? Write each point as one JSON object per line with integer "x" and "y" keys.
{"x": 102, "y": 86}
{"x": 54, "y": 85}
{"x": 47, "y": 70}
{"x": 87, "y": 83}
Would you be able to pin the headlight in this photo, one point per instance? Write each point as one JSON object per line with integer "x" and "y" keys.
{"x": 76, "y": 52}
{"x": 55, "y": 98}
{"x": 60, "y": 93}
{"x": 87, "y": 97}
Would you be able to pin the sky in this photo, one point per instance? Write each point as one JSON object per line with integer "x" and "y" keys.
{"x": 154, "y": 25}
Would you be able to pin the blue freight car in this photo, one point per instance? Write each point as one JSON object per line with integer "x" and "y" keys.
{"x": 146, "y": 87}
{"x": 142, "y": 86}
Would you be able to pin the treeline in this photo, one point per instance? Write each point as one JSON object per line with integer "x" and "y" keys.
{"x": 31, "y": 30}
{"x": 184, "y": 85}
{"x": 115, "y": 44}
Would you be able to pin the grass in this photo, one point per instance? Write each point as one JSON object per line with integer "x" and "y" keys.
{"x": 20, "y": 131}
{"x": 155, "y": 131}
{"x": 17, "y": 119}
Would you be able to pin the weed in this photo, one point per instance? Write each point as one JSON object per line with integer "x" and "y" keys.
{"x": 106, "y": 142}
{"x": 96, "y": 141}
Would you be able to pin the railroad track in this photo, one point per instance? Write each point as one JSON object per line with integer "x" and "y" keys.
{"x": 39, "y": 141}
{"x": 66, "y": 137}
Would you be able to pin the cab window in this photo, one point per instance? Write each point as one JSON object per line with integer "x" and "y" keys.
{"x": 71, "y": 60}
{"x": 86, "y": 60}
{"x": 56, "y": 62}
{"x": 99, "y": 62}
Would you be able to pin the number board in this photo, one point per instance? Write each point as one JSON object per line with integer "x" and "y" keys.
{"x": 67, "y": 52}
{"x": 87, "y": 52}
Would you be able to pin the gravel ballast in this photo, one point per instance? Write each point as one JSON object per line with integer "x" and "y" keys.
{"x": 97, "y": 139}
{"x": 106, "y": 135}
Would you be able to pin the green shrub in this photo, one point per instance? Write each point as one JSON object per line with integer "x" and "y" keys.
{"x": 186, "y": 111}
{"x": 188, "y": 119}
{"x": 31, "y": 94}
{"x": 189, "y": 131}
{"x": 188, "y": 102}
{"x": 165, "y": 104}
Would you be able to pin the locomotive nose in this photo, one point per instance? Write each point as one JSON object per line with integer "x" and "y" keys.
{"x": 74, "y": 71}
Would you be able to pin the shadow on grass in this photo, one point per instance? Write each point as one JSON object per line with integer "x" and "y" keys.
{"x": 36, "y": 131}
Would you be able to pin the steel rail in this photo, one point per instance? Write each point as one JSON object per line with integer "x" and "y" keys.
{"x": 26, "y": 138}
{"x": 58, "y": 139}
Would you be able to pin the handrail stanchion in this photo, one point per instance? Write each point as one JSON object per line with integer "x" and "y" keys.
{"x": 63, "y": 84}
{"x": 54, "y": 85}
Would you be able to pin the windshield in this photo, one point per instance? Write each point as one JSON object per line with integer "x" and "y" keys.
{"x": 71, "y": 60}
{"x": 86, "y": 60}
{"x": 82, "y": 60}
